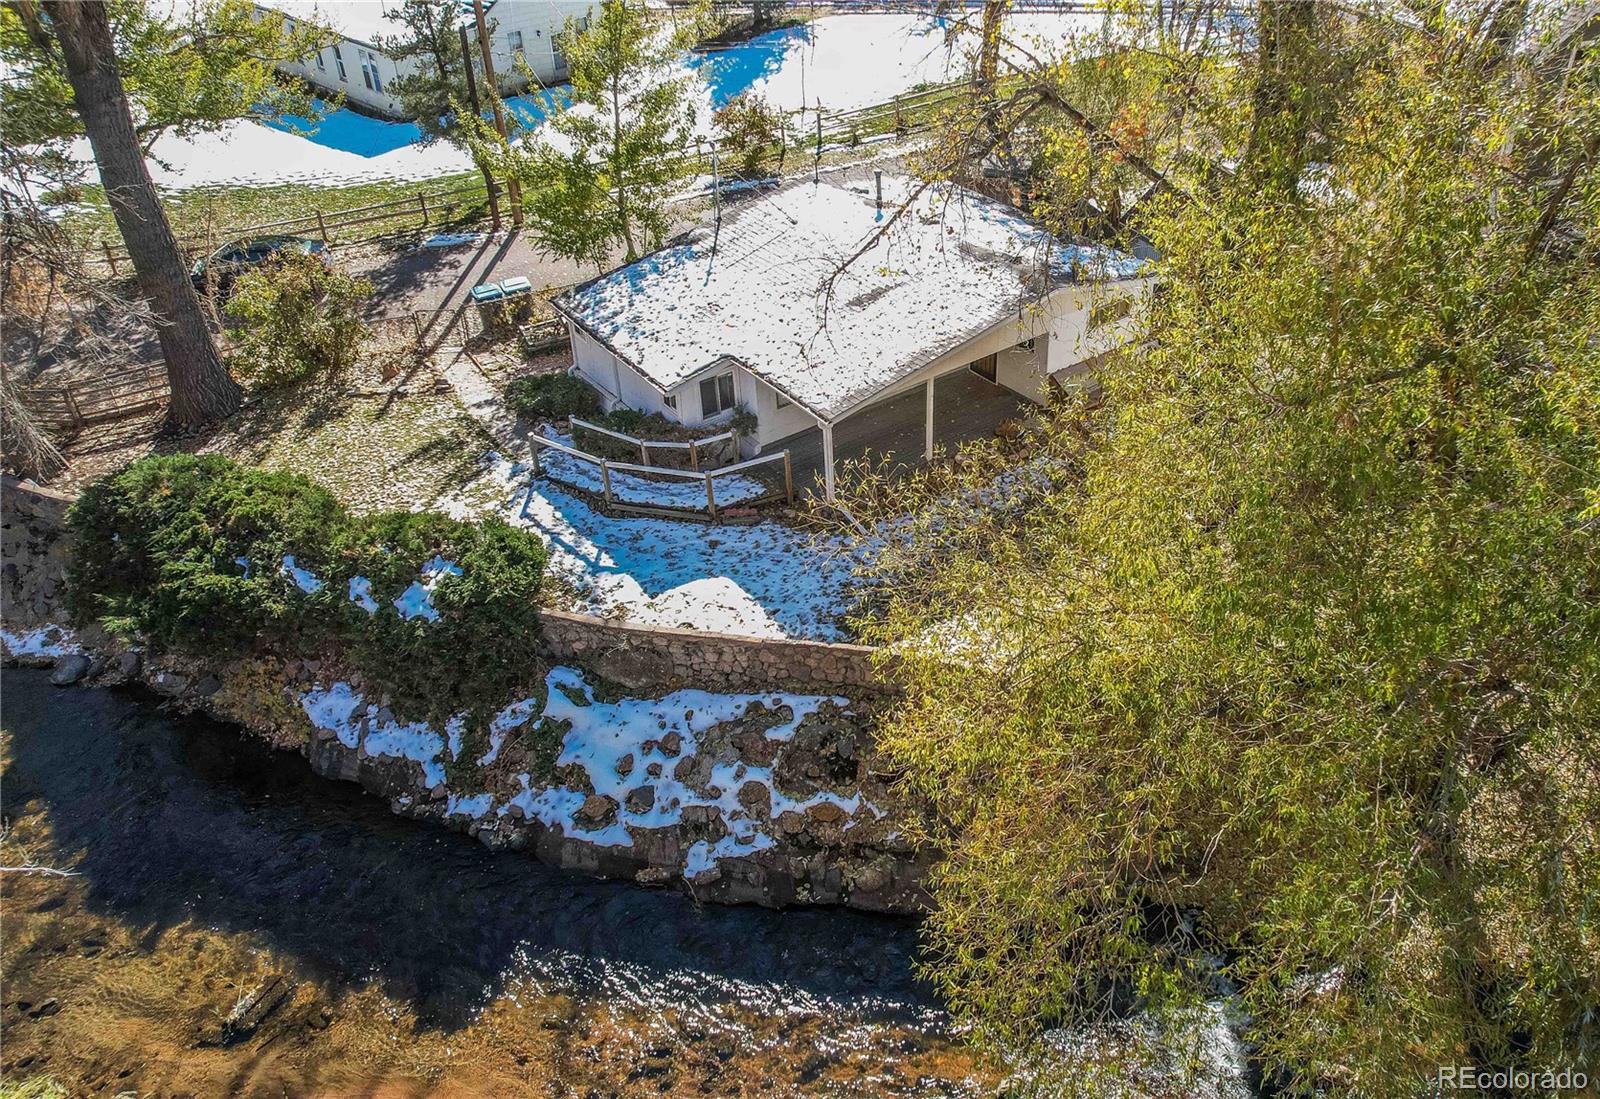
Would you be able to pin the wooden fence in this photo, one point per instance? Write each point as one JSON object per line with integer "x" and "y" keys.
{"x": 666, "y": 508}
{"x": 691, "y": 450}
{"x": 113, "y": 396}
{"x": 418, "y": 210}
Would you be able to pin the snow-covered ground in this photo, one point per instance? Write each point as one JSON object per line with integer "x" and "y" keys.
{"x": 760, "y": 580}
{"x": 843, "y": 61}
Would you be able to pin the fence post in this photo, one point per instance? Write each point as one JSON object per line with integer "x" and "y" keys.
{"x": 322, "y": 227}
{"x": 110, "y": 258}
{"x": 694, "y": 454}
{"x": 788, "y": 477}
{"x": 711, "y": 497}
{"x": 537, "y": 450}
{"x": 423, "y": 199}
{"x": 644, "y": 453}
{"x": 605, "y": 479}
{"x": 73, "y": 409}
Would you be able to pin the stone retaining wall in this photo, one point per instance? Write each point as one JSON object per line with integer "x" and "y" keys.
{"x": 33, "y": 547}
{"x": 641, "y": 657}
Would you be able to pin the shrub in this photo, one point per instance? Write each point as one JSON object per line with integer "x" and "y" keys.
{"x": 297, "y": 317}
{"x": 750, "y": 129}
{"x": 156, "y": 554}
{"x": 552, "y": 397}
{"x": 157, "y": 546}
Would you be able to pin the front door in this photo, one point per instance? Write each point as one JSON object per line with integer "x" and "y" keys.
{"x": 985, "y": 368}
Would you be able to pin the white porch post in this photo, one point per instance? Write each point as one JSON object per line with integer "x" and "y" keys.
{"x": 927, "y": 417}
{"x": 827, "y": 459}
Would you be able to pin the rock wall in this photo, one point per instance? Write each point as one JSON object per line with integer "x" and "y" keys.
{"x": 776, "y": 801}
{"x": 33, "y": 553}
{"x": 657, "y": 657}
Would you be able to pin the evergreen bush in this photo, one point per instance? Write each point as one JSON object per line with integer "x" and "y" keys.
{"x": 552, "y": 397}
{"x": 188, "y": 552}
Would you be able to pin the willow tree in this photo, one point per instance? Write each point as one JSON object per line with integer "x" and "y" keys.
{"x": 1286, "y": 652}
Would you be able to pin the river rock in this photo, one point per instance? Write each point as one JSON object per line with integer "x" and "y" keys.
{"x": 625, "y": 766}
{"x": 596, "y": 811}
{"x": 641, "y": 799}
{"x": 827, "y": 812}
{"x": 756, "y": 799}
{"x": 252, "y": 1009}
{"x": 70, "y": 669}
{"x": 671, "y": 744}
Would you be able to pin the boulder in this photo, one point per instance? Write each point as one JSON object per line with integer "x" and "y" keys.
{"x": 642, "y": 799}
{"x": 827, "y": 813}
{"x": 596, "y": 811}
{"x": 70, "y": 669}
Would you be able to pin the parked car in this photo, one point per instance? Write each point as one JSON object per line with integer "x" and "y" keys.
{"x": 218, "y": 270}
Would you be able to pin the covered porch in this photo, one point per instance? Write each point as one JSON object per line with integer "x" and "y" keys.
{"x": 906, "y": 429}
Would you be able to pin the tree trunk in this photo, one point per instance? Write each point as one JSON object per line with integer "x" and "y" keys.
{"x": 1279, "y": 128}
{"x": 202, "y": 391}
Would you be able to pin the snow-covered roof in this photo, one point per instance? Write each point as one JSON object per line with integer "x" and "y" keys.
{"x": 951, "y": 267}
{"x": 358, "y": 20}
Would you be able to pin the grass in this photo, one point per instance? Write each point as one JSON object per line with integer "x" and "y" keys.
{"x": 214, "y": 214}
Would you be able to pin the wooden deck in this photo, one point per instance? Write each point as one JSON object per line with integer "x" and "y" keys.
{"x": 965, "y": 406}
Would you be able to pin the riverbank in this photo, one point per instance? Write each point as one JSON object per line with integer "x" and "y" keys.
{"x": 615, "y": 762}
{"x": 419, "y": 963}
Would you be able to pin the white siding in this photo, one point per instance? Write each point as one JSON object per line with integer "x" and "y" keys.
{"x": 537, "y": 23}
{"x": 1071, "y": 341}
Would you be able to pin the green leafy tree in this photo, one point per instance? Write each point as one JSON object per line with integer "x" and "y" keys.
{"x": 1285, "y": 653}
{"x": 122, "y": 76}
{"x": 186, "y": 71}
{"x": 427, "y": 35}
{"x": 298, "y": 316}
{"x": 598, "y": 175}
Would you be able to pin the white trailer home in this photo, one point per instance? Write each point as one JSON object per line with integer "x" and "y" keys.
{"x": 357, "y": 66}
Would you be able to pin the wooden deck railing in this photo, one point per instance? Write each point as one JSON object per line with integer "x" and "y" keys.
{"x": 666, "y": 509}
{"x": 692, "y": 448}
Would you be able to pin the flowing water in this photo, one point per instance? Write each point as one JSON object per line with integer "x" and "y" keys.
{"x": 421, "y": 963}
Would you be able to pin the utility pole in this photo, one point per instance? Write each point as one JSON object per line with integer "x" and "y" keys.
{"x": 513, "y": 185}
{"x": 477, "y": 112}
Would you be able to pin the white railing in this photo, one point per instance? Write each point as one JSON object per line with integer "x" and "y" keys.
{"x": 693, "y": 447}
{"x": 622, "y": 483}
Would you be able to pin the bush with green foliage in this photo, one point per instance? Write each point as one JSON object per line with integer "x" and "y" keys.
{"x": 552, "y": 397}
{"x": 297, "y": 317}
{"x": 752, "y": 132}
{"x": 188, "y": 552}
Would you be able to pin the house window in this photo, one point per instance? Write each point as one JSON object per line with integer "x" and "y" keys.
{"x": 1109, "y": 311}
{"x": 514, "y": 40}
{"x": 783, "y": 402}
{"x": 671, "y": 402}
{"x": 366, "y": 73}
{"x": 985, "y": 367}
{"x": 321, "y": 64}
{"x": 716, "y": 394}
{"x": 338, "y": 59}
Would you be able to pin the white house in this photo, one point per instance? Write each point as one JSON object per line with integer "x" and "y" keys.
{"x": 521, "y": 30}
{"x": 956, "y": 318}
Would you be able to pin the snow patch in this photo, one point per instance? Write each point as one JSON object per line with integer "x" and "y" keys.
{"x": 304, "y": 579}
{"x": 47, "y": 640}
{"x": 361, "y": 594}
